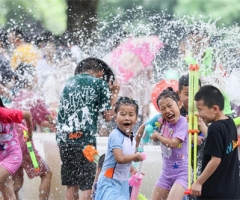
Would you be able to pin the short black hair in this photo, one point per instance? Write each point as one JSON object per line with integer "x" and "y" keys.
{"x": 125, "y": 100}
{"x": 89, "y": 65}
{"x": 168, "y": 93}
{"x": 101, "y": 161}
{"x": 184, "y": 81}
{"x": 211, "y": 96}
{"x": 95, "y": 64}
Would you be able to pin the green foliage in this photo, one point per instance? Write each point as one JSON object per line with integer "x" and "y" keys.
{"x": 228, "y": 11}
{"x": 50, "y": 13}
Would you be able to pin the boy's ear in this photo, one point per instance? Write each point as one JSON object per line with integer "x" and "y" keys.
{"x": 178, "y": 92}
{"x": 180, "y": 104}
{"x": 215, "y": 108}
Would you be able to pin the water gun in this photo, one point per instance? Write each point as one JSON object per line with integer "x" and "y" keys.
{"x": 237, "y": 121}
{"x": 136, "y": 180}
{"x": 141, "y": 197}
{"x": 192, "y": 124}
{"x": 91, "y": 153}
{"x": 30, "y": 149}
{"x": 148, "y": 131}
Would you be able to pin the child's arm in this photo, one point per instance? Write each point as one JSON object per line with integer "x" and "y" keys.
{"x": 28, "y": 117}
{"x": 169, "y": 142}
{"x": 123, "y": 159}
{"x": 208, "y": 171}
{"x": 139, "y": 135}
{"x": 114, "y": 89}
{"x": 50, "y": 123}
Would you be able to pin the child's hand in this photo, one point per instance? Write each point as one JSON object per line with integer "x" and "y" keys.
{"x": 29, "y": 138}
{"x": 196, "y": 189}
{"x": 200, "y": 140}
{"x": 202, "y": 126}
{"x": 155, "y": 136}
{"x": 133, "y": 170}
{"x": 138, "y": 157}
{"x": 114, "y": 87}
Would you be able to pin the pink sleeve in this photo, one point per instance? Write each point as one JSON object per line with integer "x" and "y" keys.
{"x": 8, "y": 115}
{"x": 39, "y": 111}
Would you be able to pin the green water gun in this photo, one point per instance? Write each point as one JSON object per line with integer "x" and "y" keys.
{"x": 237, "y": 121}
{"x": 30, "y": 149}
{"x": 192, "y": 124}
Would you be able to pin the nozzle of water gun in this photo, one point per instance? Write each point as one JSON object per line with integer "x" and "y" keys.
{"x": 149, "y": 128}
{"x": 237, "y": 121}
{"x": 37, "y": 169}
{"x": 188, "y": 192}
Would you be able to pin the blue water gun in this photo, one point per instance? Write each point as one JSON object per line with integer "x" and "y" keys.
{"x": 148, "y": 131}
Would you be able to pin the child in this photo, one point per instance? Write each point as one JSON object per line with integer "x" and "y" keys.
{"x": 172, "y": 134}
{"x": 219, "y": 178}
{"x": 98, "y": 170}
{"x": 10, "y": 150}
{"x": 84, "y": 98}
{"x": 113, "y": 179}
{"x": 28, "y": 98}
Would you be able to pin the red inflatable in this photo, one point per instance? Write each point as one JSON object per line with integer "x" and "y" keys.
{"x": 159, "y": 87}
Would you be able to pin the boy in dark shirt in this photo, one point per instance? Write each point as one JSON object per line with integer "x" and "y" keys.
{"x": 84, "y": 97}
{"x": 219, "y": 178}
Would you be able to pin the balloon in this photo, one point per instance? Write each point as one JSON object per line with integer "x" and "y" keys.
{"x": 159, "y": 87}
{"x": 171, "y": 74}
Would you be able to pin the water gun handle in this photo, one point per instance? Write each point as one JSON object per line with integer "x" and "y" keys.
{"x": 146, "y": 137}
{"x": 31, "y": 152}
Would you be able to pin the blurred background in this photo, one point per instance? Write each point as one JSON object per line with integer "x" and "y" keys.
{"x": 58, "y": 16}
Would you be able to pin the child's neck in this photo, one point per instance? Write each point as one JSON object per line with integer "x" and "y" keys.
{"x": 220, "y": 116}
{"x": 129, "y": 133}
{"x": 185, "y": 108}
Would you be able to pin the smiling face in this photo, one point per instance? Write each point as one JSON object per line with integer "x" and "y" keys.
{"x": 170, "y": 109}
{"x": 207, "y": 114}
{"x": 126, "y": 117}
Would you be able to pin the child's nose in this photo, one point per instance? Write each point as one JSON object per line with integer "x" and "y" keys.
{"x": 167, "y": 110}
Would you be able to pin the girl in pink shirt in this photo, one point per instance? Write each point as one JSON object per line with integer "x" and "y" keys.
{"x": 10, "y": 150}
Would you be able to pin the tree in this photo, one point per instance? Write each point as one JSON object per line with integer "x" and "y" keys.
{"x": 34, "y": 15}
{"x": 227, "y": 11}
{"x": 82, "y": 18}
